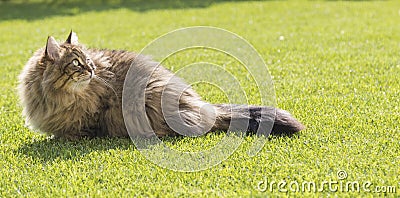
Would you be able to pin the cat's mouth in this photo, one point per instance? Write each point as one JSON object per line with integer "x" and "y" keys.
{"x": 82, "y": 82}
{"x": 86, "y": 77}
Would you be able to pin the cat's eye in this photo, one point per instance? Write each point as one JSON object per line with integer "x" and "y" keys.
{"x": 75, "y": 62}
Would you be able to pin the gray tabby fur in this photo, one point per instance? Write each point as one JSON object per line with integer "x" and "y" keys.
{"x": 70, "y": 100}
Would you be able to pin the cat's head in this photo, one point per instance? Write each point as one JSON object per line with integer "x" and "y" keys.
{"x": 68, "y": 66}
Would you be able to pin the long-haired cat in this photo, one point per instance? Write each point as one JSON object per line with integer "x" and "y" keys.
{"x": 71, "y": 92}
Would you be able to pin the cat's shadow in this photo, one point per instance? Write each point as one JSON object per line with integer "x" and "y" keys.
{"x": 52, "y": 149}
{"x": 57, "y": 149}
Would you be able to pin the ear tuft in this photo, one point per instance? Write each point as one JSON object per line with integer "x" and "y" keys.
{"x": 52, "y": 48}
{"x": 72, "y": 38}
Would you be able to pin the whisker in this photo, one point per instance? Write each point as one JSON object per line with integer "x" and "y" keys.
{"x": 107, "y": 84}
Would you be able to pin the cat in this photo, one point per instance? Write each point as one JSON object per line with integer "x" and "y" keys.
{"x": 72, "y": 92}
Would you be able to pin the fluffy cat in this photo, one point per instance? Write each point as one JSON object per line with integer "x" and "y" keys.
{"x": 71, "y": 92}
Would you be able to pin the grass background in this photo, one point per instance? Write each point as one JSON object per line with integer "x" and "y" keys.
{"x": 337, "y": 70}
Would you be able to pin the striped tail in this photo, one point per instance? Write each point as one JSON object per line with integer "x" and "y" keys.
{"x": 256, "y": 119}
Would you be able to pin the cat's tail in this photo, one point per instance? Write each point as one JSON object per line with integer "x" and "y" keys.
{"x": 256, "y": 119}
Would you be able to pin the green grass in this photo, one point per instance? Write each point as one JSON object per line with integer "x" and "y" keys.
{"x": 337, "y": 70}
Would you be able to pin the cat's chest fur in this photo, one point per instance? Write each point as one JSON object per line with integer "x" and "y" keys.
{"x": 70, "y": 112}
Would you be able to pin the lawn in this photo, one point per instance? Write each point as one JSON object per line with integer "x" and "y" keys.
{"x": 335, "y": 65}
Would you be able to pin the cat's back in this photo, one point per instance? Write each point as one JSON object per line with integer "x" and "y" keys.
{"x": 120, "y": 61}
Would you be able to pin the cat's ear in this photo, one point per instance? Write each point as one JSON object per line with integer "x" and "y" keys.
{"x": 52, "y": 48}
{"x": 72, "y": 38}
